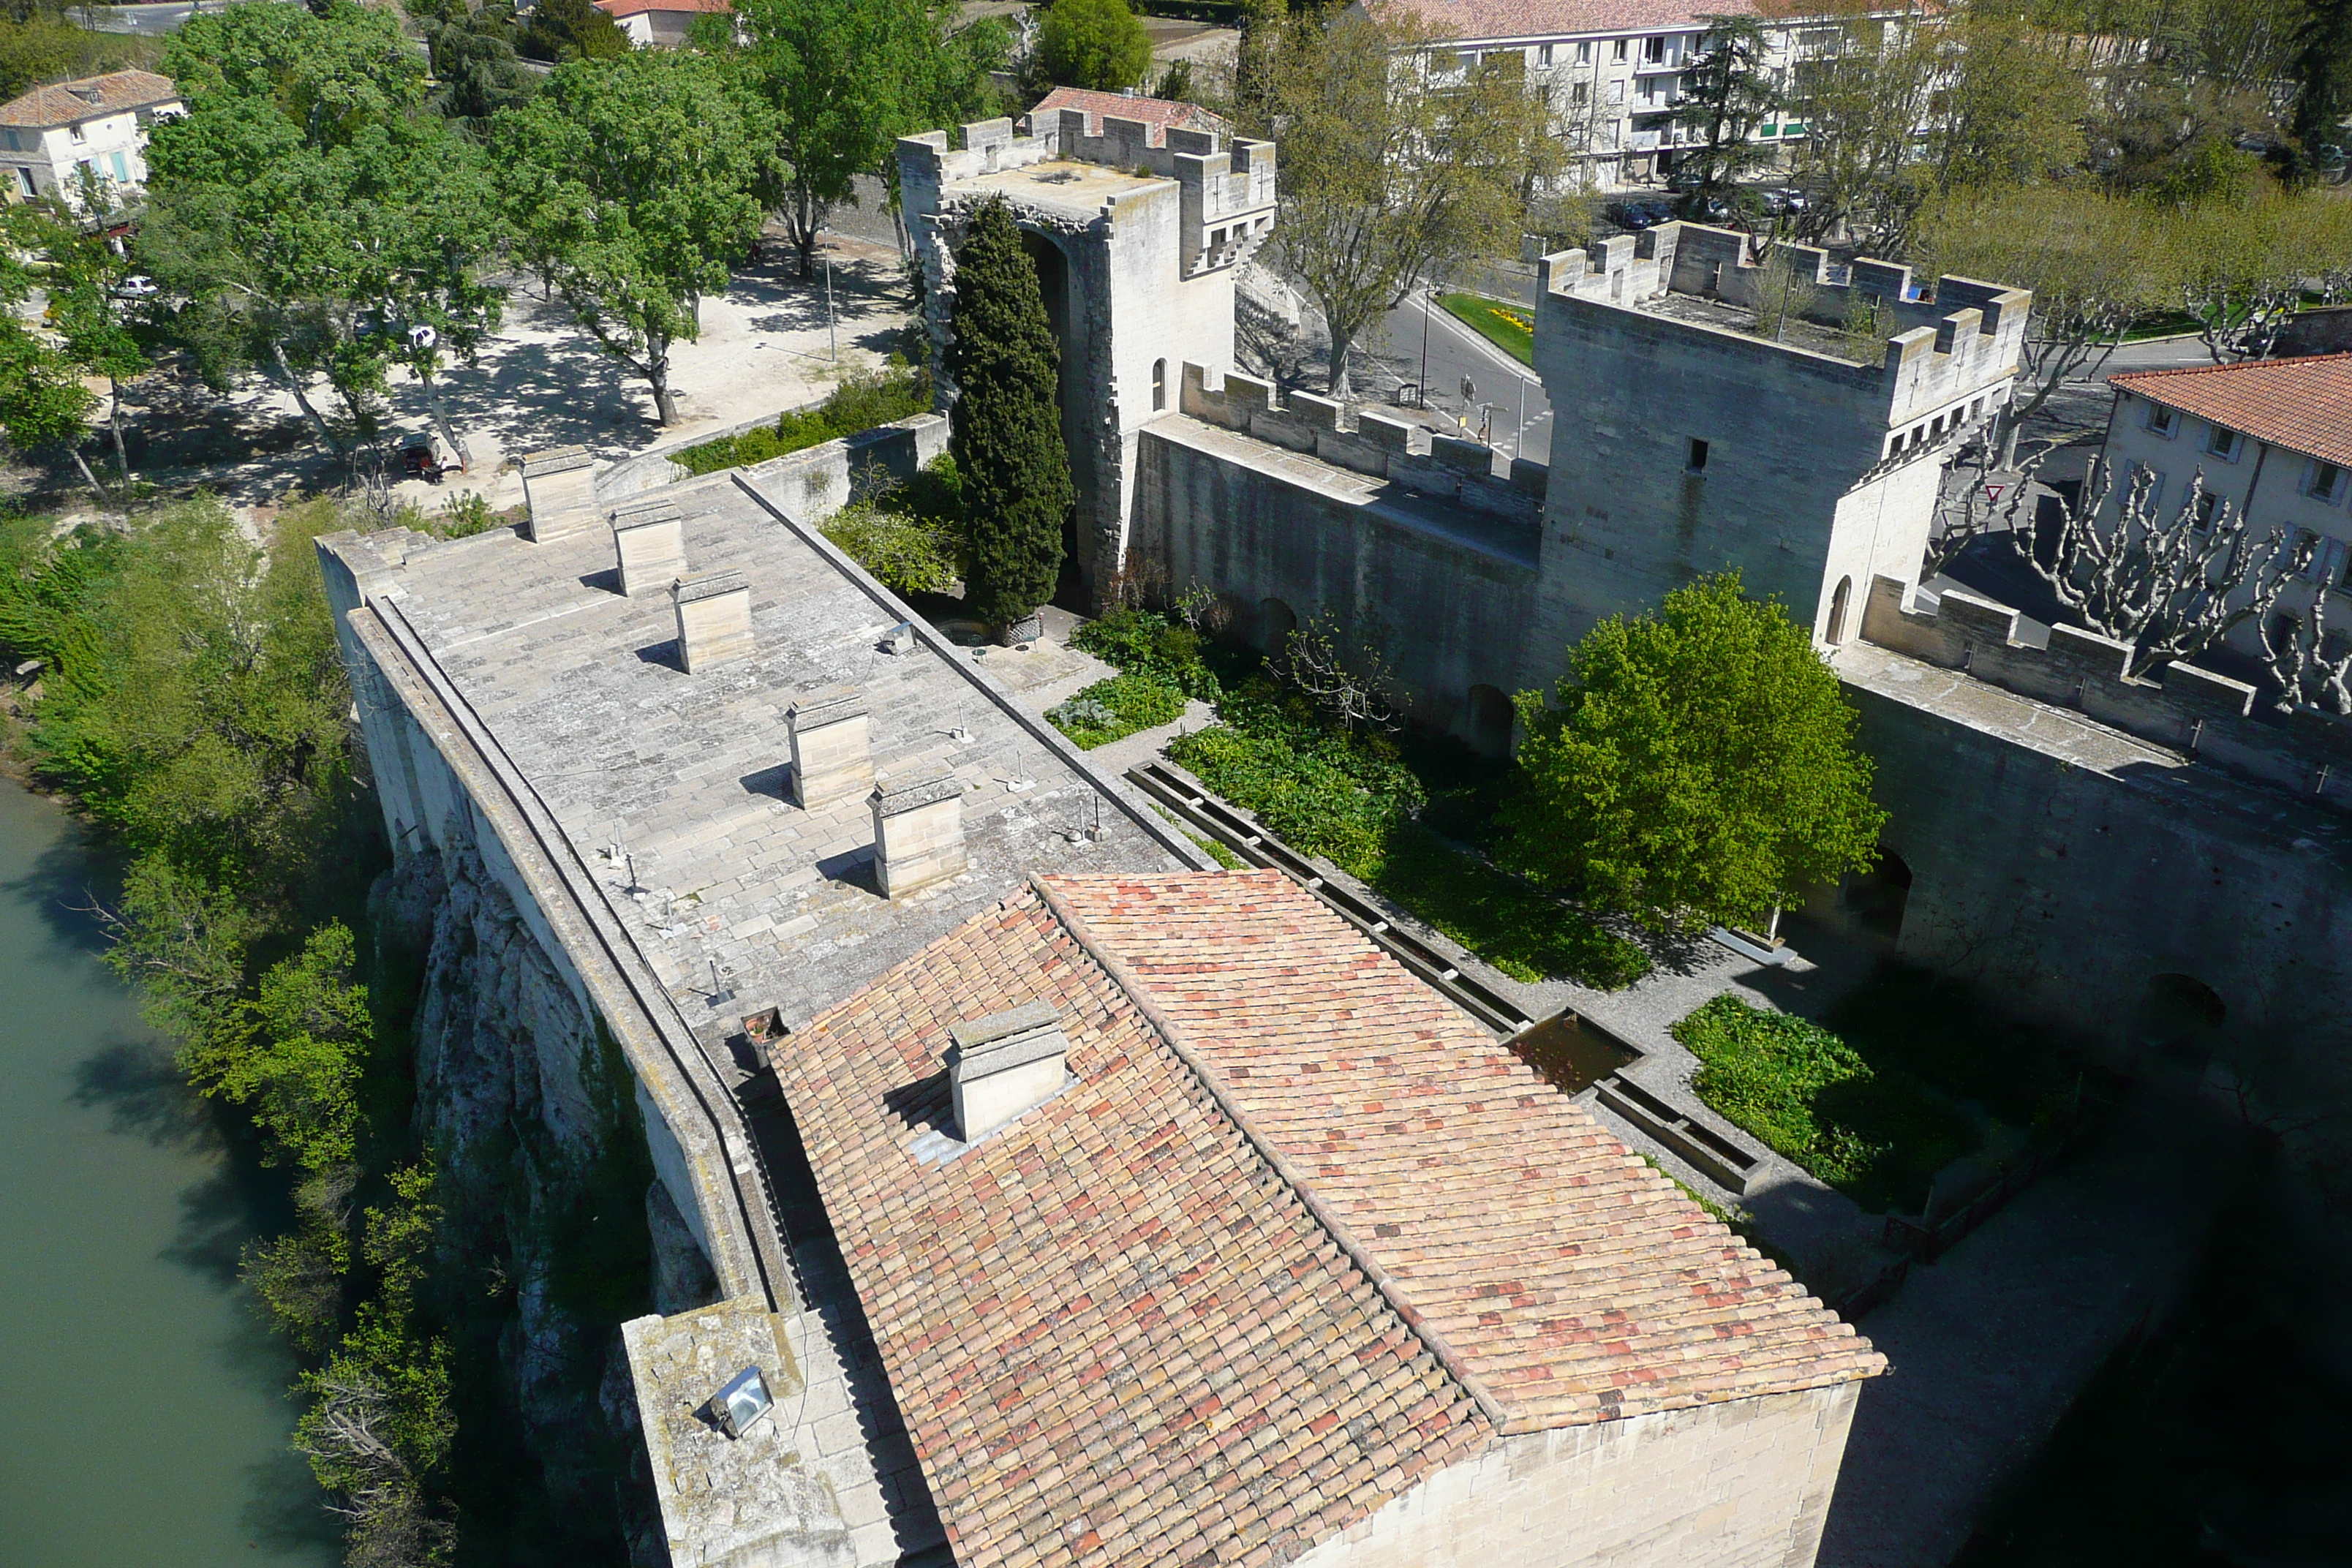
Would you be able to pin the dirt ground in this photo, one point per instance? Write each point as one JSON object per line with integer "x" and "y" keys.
{"x": 764, "y": 347}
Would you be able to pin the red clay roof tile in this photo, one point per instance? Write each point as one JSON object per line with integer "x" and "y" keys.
{"x": 2302, "y": 405}
{"x": 1118, "y": 1305}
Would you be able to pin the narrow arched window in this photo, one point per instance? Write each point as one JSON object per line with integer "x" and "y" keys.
{"x": 1158, "y": 384}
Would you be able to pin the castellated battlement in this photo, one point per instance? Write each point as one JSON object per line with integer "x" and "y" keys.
{"x": 1947, "y": 359}
{"x": 1365, "y": 442}
{"x": 1065, "y": 159}
{"x": 2208, "y": 717}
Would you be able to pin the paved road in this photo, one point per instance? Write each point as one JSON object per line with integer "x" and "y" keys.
{"x": 1513, "y": 397}
{"x": 148, "y": 21}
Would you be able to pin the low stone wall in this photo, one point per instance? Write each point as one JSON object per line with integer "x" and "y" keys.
{"x": 1444, "y": 468}
{"x": 2205, "y": 716}
{"x": 885, "y": 443}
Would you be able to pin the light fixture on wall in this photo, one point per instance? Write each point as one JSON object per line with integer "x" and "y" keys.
{"x": 743, "y": 1404}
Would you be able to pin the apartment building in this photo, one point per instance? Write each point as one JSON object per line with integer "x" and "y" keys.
{"x": 1612, "y": 69}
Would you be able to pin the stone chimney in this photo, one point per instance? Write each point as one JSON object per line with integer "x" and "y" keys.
{"x": 560, "y": 492}
{"x": 918, "y": 832}
{"x": 831, "y": 760}
{"x": 650, "y": 538}
{"x": 1004, "y": 1065}
{"x": 714, "y": 619}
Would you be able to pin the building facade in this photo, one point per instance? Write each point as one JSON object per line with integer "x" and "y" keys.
{"x": 55, "y": 137}
{"x": 1612, "y": 70}
{"x": 2269, "y": 440}
{"x": 658, "y": 24}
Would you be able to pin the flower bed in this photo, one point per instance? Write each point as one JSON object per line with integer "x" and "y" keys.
{"x": 1111, "y": 710}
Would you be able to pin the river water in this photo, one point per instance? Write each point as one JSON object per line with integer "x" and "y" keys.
{"x": 143, "y": 1416}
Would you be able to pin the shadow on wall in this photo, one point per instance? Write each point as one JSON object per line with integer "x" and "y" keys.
{"x": 1490, "y": 722}
{"x": 2181, "y": 1019}
{"x": 1276, "y": 622}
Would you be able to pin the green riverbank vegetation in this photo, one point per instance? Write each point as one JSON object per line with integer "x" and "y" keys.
{"x": 192, "y": 702}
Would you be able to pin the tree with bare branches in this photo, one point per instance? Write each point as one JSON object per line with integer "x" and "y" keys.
{"x": 2312, "y": 665}
{"x": 2170, "y": 587}
{"x": 1347, "y": 686}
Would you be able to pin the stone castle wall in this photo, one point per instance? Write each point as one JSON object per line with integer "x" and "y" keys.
{"x": 2307, "y": 753}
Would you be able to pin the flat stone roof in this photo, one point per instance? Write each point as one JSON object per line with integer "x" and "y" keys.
{"x": 682, "y": 777}
{"x": 1062, "y": 183}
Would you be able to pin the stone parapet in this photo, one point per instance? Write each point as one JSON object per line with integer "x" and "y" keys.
{"x": 2208, "y": 717}
{"x": 1446, "y": 467}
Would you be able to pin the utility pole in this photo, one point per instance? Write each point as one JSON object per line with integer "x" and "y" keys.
{"x": 833, "y": 341}
{"x": 1423, "y": 396}
{"x": 1520, "y": 432}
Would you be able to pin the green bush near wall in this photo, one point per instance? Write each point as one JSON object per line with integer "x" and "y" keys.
{"x": 863, "y": 401}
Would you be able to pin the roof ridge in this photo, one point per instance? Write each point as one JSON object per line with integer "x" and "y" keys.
{"x": 2213, "y": 369}
{"x": 1175, "y": 1036}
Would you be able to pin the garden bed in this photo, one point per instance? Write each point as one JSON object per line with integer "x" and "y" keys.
{"x": 1115, "y": 709}
{"x": 1907, "y": 1077}
{"x": 1510, "y": 328}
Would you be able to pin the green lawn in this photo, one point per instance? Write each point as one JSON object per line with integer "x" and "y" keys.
{"x": 1510, "y": 328}
{"x": 1112, "y": 710}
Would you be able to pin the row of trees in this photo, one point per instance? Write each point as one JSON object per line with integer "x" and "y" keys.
{"x": 326, "y": 212}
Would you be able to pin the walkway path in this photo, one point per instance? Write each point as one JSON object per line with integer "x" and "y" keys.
{"x": 1990, "y": 1345}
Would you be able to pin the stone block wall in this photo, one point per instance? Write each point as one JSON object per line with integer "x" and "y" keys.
{"x": 2307, "y": 753}
{"x": 1445, "y": 593}
{"x": 2080, "y": 890}
{"x": 1743, "y": 1484}
{"x": 1683, "y": 448}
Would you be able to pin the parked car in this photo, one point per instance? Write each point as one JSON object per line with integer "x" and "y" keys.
{"x": 1644, "y": 213}
{"x": 1786, "y": 199}
{"x": 138, "y": 286}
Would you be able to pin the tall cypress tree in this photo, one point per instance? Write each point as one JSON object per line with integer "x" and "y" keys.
{"x": 1006, "y": 435}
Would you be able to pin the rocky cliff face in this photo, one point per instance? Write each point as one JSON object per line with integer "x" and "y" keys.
{"x": 553, "y": 1228}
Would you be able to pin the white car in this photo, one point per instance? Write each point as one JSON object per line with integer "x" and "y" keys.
{"x": 138, "y": 286}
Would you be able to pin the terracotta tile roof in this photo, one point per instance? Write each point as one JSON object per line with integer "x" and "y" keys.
{"x": 616, "y": 10}
{"x": 1160, "y": 113}
{"x": 65, "y": 102}
{"x": 1147, "y": 1317}
{"x": 2302, "y": 405}
{"x": 1468, "y": 21}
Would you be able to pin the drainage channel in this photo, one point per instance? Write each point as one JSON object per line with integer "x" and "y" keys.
{"x": 1254, "y": 844}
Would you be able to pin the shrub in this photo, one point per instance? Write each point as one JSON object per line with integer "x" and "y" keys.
{"x": 1143, "y": 642}
{"x": 1108, "y": 710}
{"x": 906, "y": 554}
{"x": 863, "y": 401}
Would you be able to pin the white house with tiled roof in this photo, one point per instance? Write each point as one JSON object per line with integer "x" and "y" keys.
{"x": 97, "y": 126}
{"x": 1611, "y": 70}
{"x": 659, "y": 24}
{"x": 2271, "y": 439}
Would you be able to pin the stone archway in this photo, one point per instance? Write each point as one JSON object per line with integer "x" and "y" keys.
{"x": 1275, "y": 621}
{"x": 1875, "y": 899}
{"x": 1490, "y": 722}
{"x": 1838, "y": 606}
{"x": 2181, "y": 1018}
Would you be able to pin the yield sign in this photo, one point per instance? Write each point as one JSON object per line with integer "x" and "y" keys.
{"x": 1992, "y": 493}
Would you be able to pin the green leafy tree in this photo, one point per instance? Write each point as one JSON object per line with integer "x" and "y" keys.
{"x": 841, "y": 80}
{"x": 1096, "y": 44}
{"x": 380, "y": 1421}
{"x": 1007, "y": 435}
{"x": 572, "y": 30}
{"x": 1730, "y": 91}
{"x": 297, "y": 1065}
{"x": 309, "y": 210}
{"x": 476, "y": 61}
{"x": 41, "y": 48}
{"x": 92, "y": 320}
{"x": 1394, "y": 166}
{"x": 43, "y": 404}
{"x": 629, "y": 185}
{"x": 2323, "y": 82}
{"x": 1693, "y": 767}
